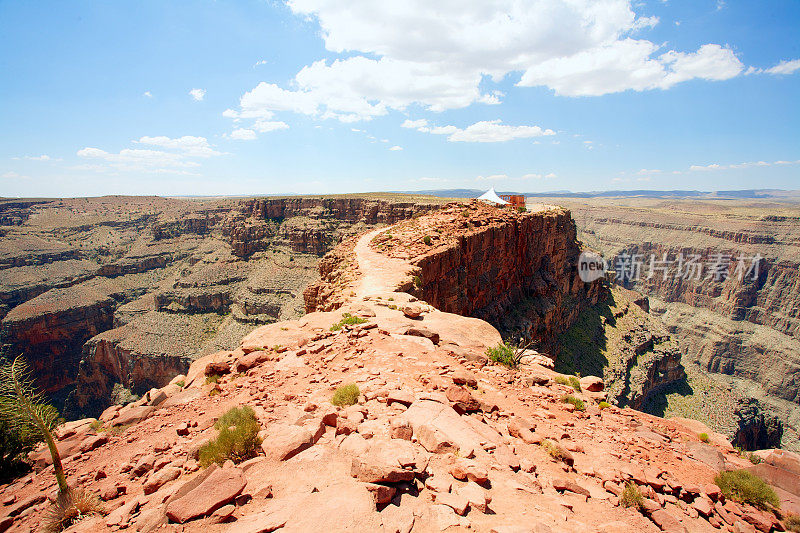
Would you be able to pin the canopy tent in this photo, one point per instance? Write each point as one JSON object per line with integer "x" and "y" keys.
{"x": 491, "y": 196}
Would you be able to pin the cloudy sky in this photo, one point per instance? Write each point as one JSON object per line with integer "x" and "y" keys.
{"x": 320, "y": 96}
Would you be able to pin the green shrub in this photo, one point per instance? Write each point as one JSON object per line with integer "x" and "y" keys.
{"x": 562, "y": 380}
{"x": 427, "y": 240}
{"x": 212, "y": 378}
{"x": 181, "y": 383}
{"x": 579, "y": 405}
{"x": 503, "y": 354}
{"x": 746, "y": 487}
{"x": 347, "y": 320}
{"x": 555, "y": 450}
{"x": 522, "y": 209}
{"x": 753, "y": 458}
{"x": 346, "y": 395}
{"x": 237, "y": 439}
{"x": 604, "y": 405}
{"x": 792, "y": 523}
{"x": 417, "y": 282}
{"x": 631, "y": 496}
{"x": 703, "y": 437}
{"x": 575, "y": 383}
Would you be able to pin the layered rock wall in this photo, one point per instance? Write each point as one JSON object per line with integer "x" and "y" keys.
{"x": 519, "y": 275}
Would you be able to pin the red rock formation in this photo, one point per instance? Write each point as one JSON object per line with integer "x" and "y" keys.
{"x": 50, "y": 329}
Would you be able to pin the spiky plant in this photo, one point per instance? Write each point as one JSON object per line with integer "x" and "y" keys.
{"x": 25, "y": 411}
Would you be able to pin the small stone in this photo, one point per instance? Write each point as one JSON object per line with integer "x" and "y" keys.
{"x": 412, "y": 311}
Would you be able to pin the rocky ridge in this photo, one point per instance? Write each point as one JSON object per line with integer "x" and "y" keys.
{"x": 440, "y": 438}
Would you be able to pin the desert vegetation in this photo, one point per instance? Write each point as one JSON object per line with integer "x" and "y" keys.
{"x": 347, "y": 320}
{"x": 237, "y": 440}
{"x": 746, "y": 487}
{"x": 346, "y": 395}
{"x": 28, "y": 415}
{"x": 631, "y": 496}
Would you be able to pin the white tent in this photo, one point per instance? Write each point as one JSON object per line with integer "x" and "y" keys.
{"x": 491, "y": 196}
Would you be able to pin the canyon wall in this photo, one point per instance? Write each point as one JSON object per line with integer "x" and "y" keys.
{"x": 739, "y": 326}
{"x": 518, "y": 273}
{"x": 133, "y": 289}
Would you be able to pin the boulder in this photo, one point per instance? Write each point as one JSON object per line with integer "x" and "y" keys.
{"x": 462, "y": 377}
{"x": 561, "y": 485}
{"x": 415, "y": 331}
{"x": 412, "y": 311}
{"x": 219, "y": 488}
{"x": 463, "y": 402}
{"x": 667, "y": 522}
{"x": 284, "y": 441}
{"x": 592, "y": 383}
{"x": 477, "y": 497}
{"x": 160, "y": 478}
{"x": 400, "y": 396}
{"x": 386, "y": 461}
{"x": 262, "y": 522}
{"x": 381, "y": 493}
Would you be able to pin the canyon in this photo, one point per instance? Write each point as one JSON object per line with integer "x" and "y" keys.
{"x": 738, "y": 334}
{"x": 108, "y": 297}
{"x": 438, "y": 436}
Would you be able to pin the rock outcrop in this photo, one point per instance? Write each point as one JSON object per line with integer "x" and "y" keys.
{"x": 515, "y": 270}
{"x": 619, "y": 340}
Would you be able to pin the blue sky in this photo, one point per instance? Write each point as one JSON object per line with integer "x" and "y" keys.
{"x": 322, "y": 96}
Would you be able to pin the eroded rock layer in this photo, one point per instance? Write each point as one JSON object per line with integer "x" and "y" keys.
{"x": 738, "y": 325}
{"x": 157, "y": 282}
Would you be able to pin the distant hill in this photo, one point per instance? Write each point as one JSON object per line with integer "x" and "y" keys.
{"x": 740, "y": 194}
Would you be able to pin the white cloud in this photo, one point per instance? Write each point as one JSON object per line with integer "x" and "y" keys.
{"x": 396, "y": 148}
{"x": 532, "y": 177}
{"x": 198, "y": 94}
{"x": 190, "y": 145}
{"x": 181, "y": 157}
{"x": 11, "y": 175}
{"x": 260, "y": 62}
{"x": 493, "y": 177}
{"x": 784, "y": 67}
{"x": 242, "y": 134}
{"x": 42, "y": 157}
{"x": 265, "y": 126}
{"x": 147, "y": 94}
{"x": 484, "y": 131}
{"x": 628, "y": 64}
{"x": 749, "y": 164}
{"x": 438, "y": 54}
{"x": 444, "y": 130}
{"x": 415, "y": 124}
{"x": 494, "y": 131}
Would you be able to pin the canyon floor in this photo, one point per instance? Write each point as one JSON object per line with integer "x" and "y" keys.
{"x": 440, "y": 438}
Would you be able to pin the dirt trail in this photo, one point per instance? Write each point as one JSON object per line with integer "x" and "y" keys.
{"x": 379, "y": 273}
